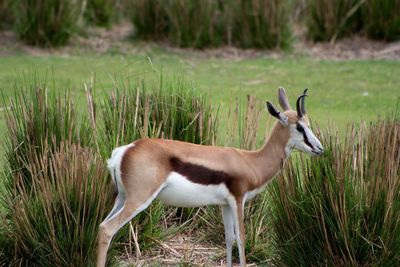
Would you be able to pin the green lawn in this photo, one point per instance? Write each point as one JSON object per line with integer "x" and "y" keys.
{"x": 340, "y": 91}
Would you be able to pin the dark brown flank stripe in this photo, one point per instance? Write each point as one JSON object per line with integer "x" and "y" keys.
{"x": 200, "y": 174}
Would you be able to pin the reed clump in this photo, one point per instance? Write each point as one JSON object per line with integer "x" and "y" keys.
{"x": 48, "y": 22}
{"x": 382, "y": 19}
{"x": 170, "y": 109}
{"x": 330, "y": 20}
{"x": 54, "y": 186}
{"x": 101, "y": 12}
{"x": 199, "y": 24}
{"x": 6, "y": 14}
{"x": 340, "y": 209}
{"x": 343, "y": 208}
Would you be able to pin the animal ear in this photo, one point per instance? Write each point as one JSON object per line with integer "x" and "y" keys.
{"x": 275, "y": 113}
{"x": 283, "y": 100}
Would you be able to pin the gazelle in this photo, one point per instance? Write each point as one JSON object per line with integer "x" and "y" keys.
{"x": 190, "y": 175}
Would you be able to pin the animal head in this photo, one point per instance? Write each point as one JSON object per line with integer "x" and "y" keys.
{"x": 301, "y": 136}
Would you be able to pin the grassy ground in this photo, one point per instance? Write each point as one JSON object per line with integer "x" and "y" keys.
{"x": 340, "y": 91}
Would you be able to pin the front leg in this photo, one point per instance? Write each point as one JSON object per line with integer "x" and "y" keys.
{"x": 227, "y": 217}
{"x": 237, "y": 207}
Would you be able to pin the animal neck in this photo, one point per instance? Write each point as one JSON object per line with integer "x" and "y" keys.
{"x": 270, "y": 158}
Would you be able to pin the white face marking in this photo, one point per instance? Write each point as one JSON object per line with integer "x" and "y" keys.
{"x": 181, "y": 192}
{"x": 298, "y": 139}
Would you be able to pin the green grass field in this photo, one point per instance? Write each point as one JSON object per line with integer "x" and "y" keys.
{"x": 340, "y": 91}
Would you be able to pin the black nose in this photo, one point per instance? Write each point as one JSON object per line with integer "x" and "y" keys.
{"x": 318, "y": 152}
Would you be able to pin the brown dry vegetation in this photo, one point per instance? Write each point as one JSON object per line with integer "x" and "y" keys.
{"x": 184, "y": 248}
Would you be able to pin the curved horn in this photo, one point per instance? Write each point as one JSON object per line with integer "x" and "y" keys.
{"x": 302, "y": 107}
{"x": 299, "y": 103}
{"x": 283, "y": 100}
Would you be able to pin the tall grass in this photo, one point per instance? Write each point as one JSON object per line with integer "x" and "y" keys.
{"x": 149, "y": 19}
{"x": 382, "y": 19}
{"x": 46, "y": 144}
{"x": 161, "y": 109}
{"x": 330, "y": 20}
{"x": 261, "y": 24}
{"x": 242, "y": 127}
{"x": 343, "y": 208}
{"x": 340, "y": 209}
{"x": 191, "y": 23}
{"x": 38, "y": 121}
{"x": 195, "y": 23}
{"x": 48, "y": 22}
{"x": 101, "y": 12}
{"x": 6, "y": 14}
{"x": 54, "y": 186}
{"x": 203, "y": 23}
{"x": 55, "y": 222}
{"x": 243, "y": 124}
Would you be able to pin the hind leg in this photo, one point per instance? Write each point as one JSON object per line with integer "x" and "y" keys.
{"x": 118, "y": 205}
{"x": 117, "y": 218}
{"x": 109, "y": 227}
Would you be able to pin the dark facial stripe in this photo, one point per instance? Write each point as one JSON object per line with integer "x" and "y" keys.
{"x": 307, "y": 142}
{"x": 200, "y": 174}
{"x": 301, "y": 130}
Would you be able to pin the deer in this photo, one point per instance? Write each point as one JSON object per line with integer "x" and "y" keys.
{"x": 190, "y": 175}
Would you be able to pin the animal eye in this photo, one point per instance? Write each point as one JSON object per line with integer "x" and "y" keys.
{"x": 299, "y": 128}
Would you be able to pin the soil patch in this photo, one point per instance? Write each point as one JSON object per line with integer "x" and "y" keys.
{"x": 181, "y": 250}
{"x": 352, "y": 48}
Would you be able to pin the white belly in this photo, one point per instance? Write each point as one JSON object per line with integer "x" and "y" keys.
{"x": 181, "y": 192}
